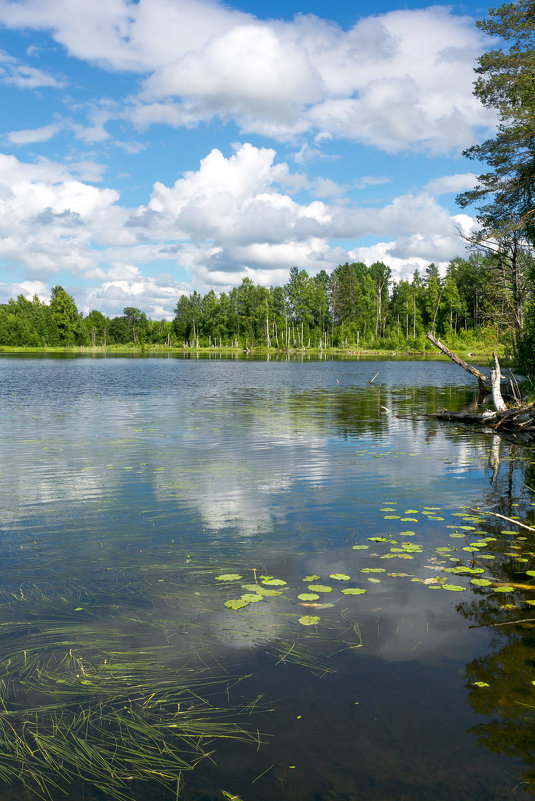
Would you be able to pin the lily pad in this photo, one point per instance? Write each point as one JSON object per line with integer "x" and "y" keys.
{"x": 308, "y": 596}
{"x": 319, "y": 588}
{"x": 452, "y": 587}
{"x": 340, "y": 576}
{"x": 274, "y": 582}
{"x": 360, "y": 547}
{"x": 309, "y": 620}
{"x": 228, "y": 577}
{"x": 312, "y": 578}
{"x": 353, "y": 591}
{"x": 503, "y": 588}
{"x": 481, "y": 684}
{"x": 251, "y": 598}
{"x": 372, "y": 570}
{"x": 236, "y": 603}
{"x": 481, "y": 582}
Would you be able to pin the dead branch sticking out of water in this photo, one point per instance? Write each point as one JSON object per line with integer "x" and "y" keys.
{"x": 519, "y": 420}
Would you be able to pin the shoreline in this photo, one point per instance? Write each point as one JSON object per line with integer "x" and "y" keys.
{"x": 159, "y": 350}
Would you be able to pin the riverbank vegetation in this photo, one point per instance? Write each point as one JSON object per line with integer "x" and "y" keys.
{"x": 480, "y": 304}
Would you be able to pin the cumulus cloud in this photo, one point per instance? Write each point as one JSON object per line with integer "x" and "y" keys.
{"x": 399, "y": 80}
{"x": 230, "y": 218}
{"x": 124, "y": 285}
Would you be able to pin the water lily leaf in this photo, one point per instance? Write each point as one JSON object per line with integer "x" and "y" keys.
{"x": 530, "y": 572}
{"x": 481, "y": 582}
{"x": 228, "y": 577}
{"x": 353, "y": 591}
{"x": 274, "y": 582}
{"x": 435, "y": 517}
{"x": 319, "y": 588}
{"x": 481, "y": 684}
{"x": 411, "y": 511}
{"x": 452, "y": 587}
{"x": 407, "y": 533}
{"x": 531, "y": 602}
{"x": 258, "y": 590}
{"x": 311, "y": 578}
{"x": 340, "y": 576}
{"x": 409, "y": 519}
{"x": 251, "y": 598}
{"x": 374, "y": 580}
{"x": 360, "y": 547}
{"x": 378, "y": 539}
{"x": 392, "y": 517}
{"x": 308, "y": 596}
{"x": 237, "y": 603}
{"x": 372, "y": 570}
{"x": 503, "y": 588}
{"x": 387, "y": 509}
{"x": 268, "y": 593}
{"x": 309, "y": 620}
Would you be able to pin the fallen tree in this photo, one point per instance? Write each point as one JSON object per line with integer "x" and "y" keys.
{"x": 518, "y": 419}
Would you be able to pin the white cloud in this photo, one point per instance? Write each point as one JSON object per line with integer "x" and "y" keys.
{"x": 27, "y": 288}
{"x": 451, "y": 183}
{"x": 400, "y": 80}
{"x": 25, "y": 77}
{"x": 30, "y": 136}
{"x": 230, "y": 218}
{"x": 126, "y": 286}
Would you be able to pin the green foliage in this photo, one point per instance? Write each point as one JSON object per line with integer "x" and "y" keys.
{"x": 356, "y": 307}
{"x": 506, "y": 194}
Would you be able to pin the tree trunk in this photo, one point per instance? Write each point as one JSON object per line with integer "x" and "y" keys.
{"x": 481, "y": 377}
{"x": 495, "y": 377}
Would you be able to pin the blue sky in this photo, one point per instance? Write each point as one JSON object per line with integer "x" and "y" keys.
{"x": 154, "y": 147}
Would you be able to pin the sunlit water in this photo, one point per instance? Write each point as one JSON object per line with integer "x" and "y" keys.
{"x": 129, "y": 485}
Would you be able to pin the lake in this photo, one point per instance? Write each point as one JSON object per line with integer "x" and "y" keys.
{"x": 261, "y": 580}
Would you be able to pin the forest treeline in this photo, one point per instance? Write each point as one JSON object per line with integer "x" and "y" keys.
{"x": 486, "y": 297}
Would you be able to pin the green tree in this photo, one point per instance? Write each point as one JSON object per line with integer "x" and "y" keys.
{"x": 505, "y": 195}
{"x": 65, "y": 315}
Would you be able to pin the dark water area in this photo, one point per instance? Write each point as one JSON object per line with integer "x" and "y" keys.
{"x": 141, "y": 499}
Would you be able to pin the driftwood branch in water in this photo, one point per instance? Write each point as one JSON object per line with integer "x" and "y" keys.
{"x": 481, "y": 377}
{"x": 496, "y": 380}
{"x": 520, "y": 420}
{"x": 509, "y": 519}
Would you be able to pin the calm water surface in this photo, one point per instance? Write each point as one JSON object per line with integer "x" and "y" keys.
{"x": 128, "y": 486}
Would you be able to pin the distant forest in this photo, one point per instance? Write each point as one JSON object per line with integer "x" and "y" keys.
{"x": 483, "y": 298}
